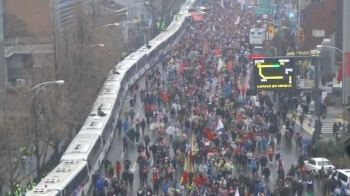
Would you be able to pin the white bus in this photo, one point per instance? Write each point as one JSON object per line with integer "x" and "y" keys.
{"x": 69, "y": 178}
{"x": 87, "y": 147}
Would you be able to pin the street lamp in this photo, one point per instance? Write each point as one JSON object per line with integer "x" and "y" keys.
{"x": 43, "y": 85}
{"x": 332, "y": 47}
{"x": 343, "y": 78}
{"x": 108, "y": 25}
{"x": 59, "y": 82}
{"x": 97, "y": 45}
{"x": 123, "y": 13}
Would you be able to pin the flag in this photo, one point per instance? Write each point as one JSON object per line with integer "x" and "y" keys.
{"x": 347, "y": 67}
{"x": 230, "y": 67}
{"x": 206, "y": 47}
{"x": 220, "y": 125}
{"x": 181, "y": 68}
{"x": 217, "y": 52}
{"x": 201, "y": 61}
{"x": 237, "y": 20}
{"x": 220, "y": 64}
{"x": 222, "y": 4}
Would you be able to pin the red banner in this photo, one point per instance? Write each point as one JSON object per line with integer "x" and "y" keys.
{"x": 196, "y": 17}
{"x": 346, "y": 60}
{"x": 255, "y": 56}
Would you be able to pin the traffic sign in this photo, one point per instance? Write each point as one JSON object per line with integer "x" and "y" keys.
{"x": 262, "y": 11}
{"x": 274, "y": 74}
{"x": 264, "y": 3}
{"x": 264, "y": 8}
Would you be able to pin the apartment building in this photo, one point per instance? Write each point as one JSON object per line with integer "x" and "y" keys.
{"x": 28, "y": 26}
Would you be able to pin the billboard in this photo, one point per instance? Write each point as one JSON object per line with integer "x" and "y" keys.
{"x": 274, "y": 74}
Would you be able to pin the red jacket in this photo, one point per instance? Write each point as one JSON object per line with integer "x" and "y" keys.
{"x": 118, "y": 168}
{"x": 185, "y": 177}
{"x": 191, "y": 156}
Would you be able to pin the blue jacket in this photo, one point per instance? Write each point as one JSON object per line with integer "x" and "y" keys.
{"x": 126, "y": 126}
{"x": 258, "y": 188}
{"x": 253, "y": 165}
{"x": 165, "y": 187}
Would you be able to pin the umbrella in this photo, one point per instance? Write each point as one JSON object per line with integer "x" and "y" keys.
{"x": 306, "y": 141}
{"x": 174, "y": 131}
{"x": 155, "y": 125}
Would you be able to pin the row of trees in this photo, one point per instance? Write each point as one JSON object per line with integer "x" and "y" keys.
{"x": 162, "y": 11}
{"x": 52, "y": 117}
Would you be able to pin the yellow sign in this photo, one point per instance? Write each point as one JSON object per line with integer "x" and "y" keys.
{"x": 276, "y": 86}
{"x": 301, "y": 35}
{"x": 271, "y": 31}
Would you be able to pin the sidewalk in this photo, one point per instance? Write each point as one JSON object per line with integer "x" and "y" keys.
{"x": 334, "y": 114}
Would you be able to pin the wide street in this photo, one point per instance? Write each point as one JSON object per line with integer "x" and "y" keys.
{"x": 116, "y": 153}
{"x": 289, "y": 155}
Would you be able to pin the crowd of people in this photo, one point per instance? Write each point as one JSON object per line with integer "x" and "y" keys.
{"x": 207, "y": 132}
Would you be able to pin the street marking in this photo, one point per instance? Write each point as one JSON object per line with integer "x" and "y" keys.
{"x": 122, "y": 155}
{"x": 133, "y": 168}
{"x": 141, "y": 105}
{"x": 152, "y": 162}
{"x": 137, "y": 115}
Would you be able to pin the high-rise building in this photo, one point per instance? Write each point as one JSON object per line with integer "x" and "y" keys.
{"x": 37, "y": 17}
{"x": 28, "y": 27}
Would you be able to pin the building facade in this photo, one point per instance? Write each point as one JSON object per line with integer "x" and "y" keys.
{"x": 28, "y": 28}
{"x": 320, "y": 22}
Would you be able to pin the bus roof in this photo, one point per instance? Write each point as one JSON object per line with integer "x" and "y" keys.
{"x": 58, "y": 178}
{"x": 80, "y": 147}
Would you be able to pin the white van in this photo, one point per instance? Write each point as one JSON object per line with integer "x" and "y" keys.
{"x": 344, "y": 176}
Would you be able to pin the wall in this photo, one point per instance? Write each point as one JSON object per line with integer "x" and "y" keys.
{"x": 319, "y": 16}
{"x": 34, "y": 13}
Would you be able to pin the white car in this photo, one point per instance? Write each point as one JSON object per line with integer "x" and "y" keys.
{"x": 315, "y": 164}
{"x": 344, "y": 176}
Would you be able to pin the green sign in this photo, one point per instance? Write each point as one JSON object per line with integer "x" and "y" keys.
{"x": 262, "y": 11}
{"x": 264, "y": 8}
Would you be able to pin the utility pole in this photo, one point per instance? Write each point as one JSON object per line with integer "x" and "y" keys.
{"x": 346, "y": 49}
{"x": 346, "y": 56}
{"x": 318, "y": 97}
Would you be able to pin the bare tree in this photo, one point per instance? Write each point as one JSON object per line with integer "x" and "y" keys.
{"x": 15, "y": 27}
{"x": 160, "y": 9}
{"x": 15, "y": 135}
{"x": 79, "y": 60}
